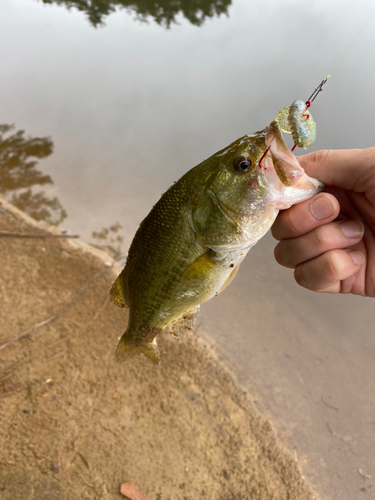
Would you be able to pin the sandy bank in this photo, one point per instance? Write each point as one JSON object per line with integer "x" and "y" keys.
{"x": 75, "y": 425}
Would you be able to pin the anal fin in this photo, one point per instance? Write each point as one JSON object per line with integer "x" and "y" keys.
{"x": 184, "y": 324}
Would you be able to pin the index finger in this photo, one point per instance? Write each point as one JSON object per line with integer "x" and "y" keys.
{"x": 350, "y": 169}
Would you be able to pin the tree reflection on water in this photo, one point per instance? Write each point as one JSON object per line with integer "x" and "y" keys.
{"x": 164, "y": 12}
{"x": 109, "y": 240}
{"x": 18, "y": 175}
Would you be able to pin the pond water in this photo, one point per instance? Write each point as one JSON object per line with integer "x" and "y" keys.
{"x": 131, "y": 98}
{"x": 131, "y": 105}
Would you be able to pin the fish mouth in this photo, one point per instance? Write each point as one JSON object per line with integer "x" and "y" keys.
{"x": 286, "y": 166}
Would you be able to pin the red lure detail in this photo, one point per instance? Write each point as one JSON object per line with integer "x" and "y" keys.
{"x": 310, "y": 100}
{"x": 308, "y": 104}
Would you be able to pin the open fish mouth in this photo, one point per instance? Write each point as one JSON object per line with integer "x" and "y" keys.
{"x": 286, "y": 166}
{"x": 288, "y": 170}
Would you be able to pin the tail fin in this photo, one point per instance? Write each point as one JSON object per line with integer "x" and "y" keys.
{"x": 127, "y": 348}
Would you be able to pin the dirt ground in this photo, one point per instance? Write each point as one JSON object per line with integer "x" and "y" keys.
{"x": 75, "y": 425}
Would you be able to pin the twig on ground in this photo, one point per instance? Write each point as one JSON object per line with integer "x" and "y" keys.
{"x": 12, "y": 369}
{"x": 59, "y": 353}
{"x": 57, "y": 315}
{"x": 86, "y": 482}
{"x": 31, "y": 235}
{"x": 22, "y": 422}
{"x": 329, "y": 405}
{"x": 9, "y": 393}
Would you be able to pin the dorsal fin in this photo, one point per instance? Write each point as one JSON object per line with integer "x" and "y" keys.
{"x": 116, "y": 294}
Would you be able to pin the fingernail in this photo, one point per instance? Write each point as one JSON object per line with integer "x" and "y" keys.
{"x": 322, "y": 208}
{"x": 357, "y": 258}
{"x": 352, "y": 228}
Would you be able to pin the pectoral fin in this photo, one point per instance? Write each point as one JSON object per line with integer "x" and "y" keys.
{"x": 230, "y": 278}
{"x": 201, "y": 266}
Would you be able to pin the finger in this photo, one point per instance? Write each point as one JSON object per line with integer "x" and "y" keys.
{"x": 336, "y": 288}
{"x": 305, "y": 216}
{"x": 350, "y": 169}
{"x": 327, "y": 270}
{"x": 336, "y": 235}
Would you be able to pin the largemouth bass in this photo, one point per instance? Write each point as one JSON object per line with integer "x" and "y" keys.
{"x": 191, "y": 244}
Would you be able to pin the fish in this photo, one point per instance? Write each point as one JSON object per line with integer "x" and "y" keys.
{"x": 190, "y": 246}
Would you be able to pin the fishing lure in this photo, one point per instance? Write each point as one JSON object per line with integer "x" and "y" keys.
{"x": 298, "y": 121}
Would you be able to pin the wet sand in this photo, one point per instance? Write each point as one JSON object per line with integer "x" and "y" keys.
{"x": 311, "y": 359}
{"x": 75, "y": 424}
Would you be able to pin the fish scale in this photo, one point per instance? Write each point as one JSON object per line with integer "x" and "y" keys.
{"x": 191, "y": 244}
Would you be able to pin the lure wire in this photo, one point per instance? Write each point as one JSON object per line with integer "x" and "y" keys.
{"x": 319, "y": 88}
{"x": 312, "y": 98}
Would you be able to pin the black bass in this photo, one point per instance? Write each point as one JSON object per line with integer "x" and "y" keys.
{"x": 191, "y": 244}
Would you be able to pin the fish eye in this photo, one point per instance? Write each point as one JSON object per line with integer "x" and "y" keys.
{"x": 242, "y": 164}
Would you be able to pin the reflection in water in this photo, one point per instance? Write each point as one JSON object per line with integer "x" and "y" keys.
{"x": 18, "y": 175}
{"x": 109, "y": 240}
{"x": 164, "y": 12}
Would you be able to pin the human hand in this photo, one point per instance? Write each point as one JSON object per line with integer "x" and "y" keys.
{"x": 330, "y": 239}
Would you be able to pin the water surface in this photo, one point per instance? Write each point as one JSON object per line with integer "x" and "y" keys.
{"x": 130, "y": 106}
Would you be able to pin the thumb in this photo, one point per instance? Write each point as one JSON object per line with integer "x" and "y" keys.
{"x": 350, "y": 169}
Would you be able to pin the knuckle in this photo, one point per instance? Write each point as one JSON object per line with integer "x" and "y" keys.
{"x": 291, "y": 222}
{"x": 285, "y": 225}
{"x": 322, "y": 237}
{"x": 333, "y": 265}
{"x": 368, "y": 155}
{"x": 319, "y": 157}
